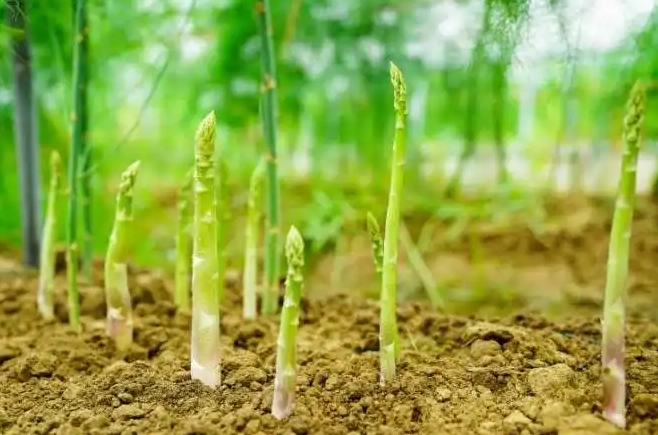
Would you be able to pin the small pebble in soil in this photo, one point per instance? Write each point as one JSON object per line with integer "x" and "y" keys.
{"x": 550, "y": 381}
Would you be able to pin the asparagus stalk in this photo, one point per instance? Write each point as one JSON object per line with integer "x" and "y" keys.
{"x": 269, "y": 109}
{"x": 205, "y": 358}
{"x": 614, "y": 382}
{"x": 85, "y": 148}
{"x": 184, "y": 246}
{"x": 388, "y": 342}
{"x": 45, "y": 295}
{"x": 74, "y": 156}
{"x": 283, "y": 400}
{"x": 117, "y": 295}
{"x": 377, "y": 244}
{"x": 249, "y": 279}
{"x": 223, "y": 211}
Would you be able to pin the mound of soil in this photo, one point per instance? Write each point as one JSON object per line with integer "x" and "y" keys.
{"x": 457, "y": 375}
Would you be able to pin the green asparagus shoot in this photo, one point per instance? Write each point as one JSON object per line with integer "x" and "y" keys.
{"x": 249, "y": 278}
{"x": 46, "y": 291}
{"x": 614, "y": 378}
{"x": 388, "y": 335}
{"x": 77, "y": 131}
{"x": 269, "y": 114}
{"x": 205, "y": 346}
{"x": 283, "y": 400}
{"x": 184, "y": 246}
{"x": 117, "y": 294}
{"x": 376, "y": 242}
{"x": 223, "y": 211}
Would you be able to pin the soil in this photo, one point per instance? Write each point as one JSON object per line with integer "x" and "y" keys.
{"x": 523, "y": 372}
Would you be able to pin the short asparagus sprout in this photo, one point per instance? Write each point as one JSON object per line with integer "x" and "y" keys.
{"x": 388, "y": 341}
{"x": 283, "y": 401}
{"x": 377, "y": 244}
{"x": 119, "y": 307}
{"x": 614, "y": 380}
{"x": 254, "y": 213}
{"x": 46, "y": 291}
{"x": 205, "y": 346}
{"x": 184, "y": 246}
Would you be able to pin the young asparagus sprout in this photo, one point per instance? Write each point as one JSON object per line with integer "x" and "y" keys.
{"x": 388, "y": 335}
{"x": 205, "y": 358}
{"x": 614, "y": 382}
{"x": 184, "y": 246}
{"x": 119, "y": 306}
{"x": 45, "y": 294}
{"x": 283, "y": 400}
{"x": 377, "y": 244}
{"x": 249, "y": 279}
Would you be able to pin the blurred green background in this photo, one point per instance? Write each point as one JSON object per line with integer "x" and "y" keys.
{"x": 537, "y": 85}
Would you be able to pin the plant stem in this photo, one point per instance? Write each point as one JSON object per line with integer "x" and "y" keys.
{"x": 283, "y": 400}
{"x": 85, "y": 150}
{"x": 249, "y": 279}
{"x": 45, "y": 295}
{"x": 74, "y": 157}
{"x": 184, "y": 246}
{"x": 614, "y": 381}
{"x": 422, "y": 271}
{"x": 119, "y": 306}
{"x": 389, "y": 345}
{"x": 269, "y": 115}
{"x": 205, "y": 359}
{"x": 223, "y": 211}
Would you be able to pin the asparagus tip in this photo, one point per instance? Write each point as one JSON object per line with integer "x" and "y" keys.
{"x": 294, "y": 245}
{"x": 399, "y": 88}
{"x": 635, "y": 110}
{"x": 129, "y": 176}
{"x": 205, "y": 135}
{"x": 373, "y": 226}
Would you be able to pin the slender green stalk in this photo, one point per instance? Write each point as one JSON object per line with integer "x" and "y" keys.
{"x": 74, "y": 157}
{"x": 614, "y": 378}
{"x": 249, "y": 278}
{"x": 223, "y": 211}
{"x": 283, "y": 400}
{"x": 422, "y": 271}
{"x": 184, "y": 246}
{"x": 117, "y": 295}
{"x": 388, "y": 343}
{"x": 85, "y": 150}
{"x": 269, "y": 114}
{"x": 46, "y": 292}
{"x": 206, "y": 356}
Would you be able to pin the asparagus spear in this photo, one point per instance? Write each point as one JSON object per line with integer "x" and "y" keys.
{"x": 184, "y": 246}
{"x": 117, "y": 295}
{"x": 283, "y": 401}
{"x": 249, "y": 279}
{"x": 205, "y": 359}
{"x": 388, "y": 343}
{"x": 269, "y": 114}
{"x": 45, "y": 295}
{"x": 614, "y": 381}
{"x": 223, "y": 218}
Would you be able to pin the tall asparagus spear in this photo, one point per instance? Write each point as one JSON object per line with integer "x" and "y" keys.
{"x": 206, "y": 355}
{"x": 184, "y": 246}
{"x": 45, "y": 295}
{"x": 388, "y": 342}
{"x": 117, "y": 294}
{"x": 249, "y": 280}
{"x": 283, "y": 400}
{"x": 614, "y": 379}
{"x": 269, "y": 115}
